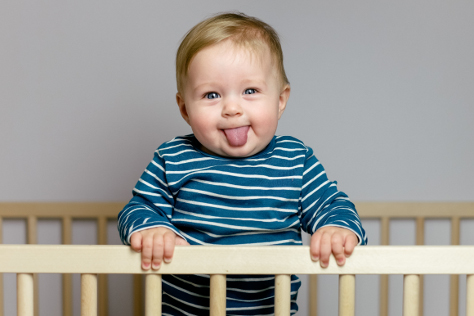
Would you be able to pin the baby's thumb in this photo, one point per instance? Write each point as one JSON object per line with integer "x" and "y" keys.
{"x": 136, "y": 242}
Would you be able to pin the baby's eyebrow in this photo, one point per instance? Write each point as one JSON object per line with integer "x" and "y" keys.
{"x": 204, "y": 86}
{"x": 256, "y": 82}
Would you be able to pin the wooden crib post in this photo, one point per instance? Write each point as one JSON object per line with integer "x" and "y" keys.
{"x": 282, "y": 294}
{"x": 32, "y": 238}
{"x": 385, "y": 240}
{"x": 67, "y": 278}
{"x": 411, "y": 295}
{"x": 88, "y": 294}
{"x": 347, "y": 295}
{"x": 102, "y": 285}
{"x": 138, "y": 295}
{"x": 313, "y": 298}
{"x": 217, "y": 295}
{"x": 454, "y": 278}
{"x": 25, "y": 294}
{"x": 470, "y": 295}
{"x": 420, "y": 240}
{"x": 1, "y": 274}
{"x": 153, "y": 295}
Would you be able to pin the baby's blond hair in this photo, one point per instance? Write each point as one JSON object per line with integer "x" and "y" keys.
{"x": 243, "y": 30}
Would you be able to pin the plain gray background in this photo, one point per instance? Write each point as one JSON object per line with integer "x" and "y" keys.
{"x": 382, "y": 91}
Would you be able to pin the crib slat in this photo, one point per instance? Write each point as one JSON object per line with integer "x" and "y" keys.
{"x": 411, "y": 295}
{"x": 25, "y": 294}
{"x": 282, "y": 294}
{"x": 31, "y": 230}
{"x": 420, "y": 240}
{"x": 385, "y": 236}
{"x": 67, "y": 278}
{"x": 88, "y": 294}
{"x": 32, "y": 238}
{"x": 347, "y": 295}
{"x": 137, "y": 295}
{"x": 470, "y": 295}
{"x": 454, "y": 279}
{"x": 1, "y": 274}
{"x": 1, "y": 294}
{"x": 153, "y": 295}
{"x": 103, "y": 290}
{"x": 217, "y": 295}
{"x": 313, "y": 292}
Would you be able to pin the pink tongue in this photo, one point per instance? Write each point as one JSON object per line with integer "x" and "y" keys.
{"x": 237, "y": 136}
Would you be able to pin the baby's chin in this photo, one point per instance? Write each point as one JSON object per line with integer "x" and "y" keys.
{"x": 231, "y": 151}
{"x": 243, "y": 151}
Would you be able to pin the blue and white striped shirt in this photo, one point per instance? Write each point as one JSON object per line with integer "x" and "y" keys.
{"x": 265, "y": 199}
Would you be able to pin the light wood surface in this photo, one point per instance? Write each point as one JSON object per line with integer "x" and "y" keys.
{"x": 60, "y": 209}
{"x": 282, "y": 294}
{"x": 347, "y": 295}
{"x": 102, "y": 211}
{"x": 25, "y": 294}
{"x": 411, "y": 295}
{"x": 237, "y": 260}
{"x": 102, "y": 286}
{"x": 153, "y": 295}
{"x": 1, "y": 275}
{"x": 470, "y": 295}
{"x": 217, "y": 299}
{"x": 32, "y": 238}
{"x": 313, "y": 295}
{"x": 415, "y": 209}
{"x": 454, "y": 279}
{"x": 138, "y": 307}
{"x": 385, "y": 241}
{"x": 420, "y": 240}
{"x": 67, "y": 278}
{"x": 88, "y": 294}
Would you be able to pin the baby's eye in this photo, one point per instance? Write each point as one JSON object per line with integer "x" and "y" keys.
{"x": 212, "y": 95}
{"x": 250, "y": 91}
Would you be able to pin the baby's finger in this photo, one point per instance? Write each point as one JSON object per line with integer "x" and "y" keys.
{"x": 338, "y": 249}
{"x": 136, "y": 242}
{"x": 179, "y": 241}
{"x": 314, "y": 247}
{"x": 168, "y": 244}
{"x": 147, "y": 251}
{"x": 325, "y": 251}
{"x": 351, "y": 242}
{"x": 158, "y": 249}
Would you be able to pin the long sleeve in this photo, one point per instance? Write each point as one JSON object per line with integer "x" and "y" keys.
{"x": 321, "y": 203}
{"x": 151, "y": 205}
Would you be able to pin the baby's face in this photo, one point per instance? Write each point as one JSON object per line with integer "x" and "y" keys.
{"x": 232, "y": 100}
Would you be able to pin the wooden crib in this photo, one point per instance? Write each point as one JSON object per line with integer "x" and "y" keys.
{"x": 409, "y": 261}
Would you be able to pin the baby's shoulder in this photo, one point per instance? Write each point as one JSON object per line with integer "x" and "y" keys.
{"x": 290, "y": 142}
{"x": 176, "y": 145}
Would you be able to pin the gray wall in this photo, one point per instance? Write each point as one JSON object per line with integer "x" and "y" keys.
{"x": 382, "y": 91}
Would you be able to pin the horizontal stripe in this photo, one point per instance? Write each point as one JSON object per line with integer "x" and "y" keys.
{"x": 263, "y": 200}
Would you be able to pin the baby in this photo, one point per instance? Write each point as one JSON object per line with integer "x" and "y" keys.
{"x": 233, "y": 182}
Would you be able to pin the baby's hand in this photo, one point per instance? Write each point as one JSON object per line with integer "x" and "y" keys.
{"x": 155, "y": 244}
{"x": 330, "y": 239}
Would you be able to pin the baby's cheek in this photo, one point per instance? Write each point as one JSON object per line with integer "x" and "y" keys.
{"x": 266, "y": 125}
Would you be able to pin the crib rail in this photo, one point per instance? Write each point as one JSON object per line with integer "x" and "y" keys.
{"x": 101, "y": 212}
{"x": 219, "y": 261}
{"x": 383, "y": 212}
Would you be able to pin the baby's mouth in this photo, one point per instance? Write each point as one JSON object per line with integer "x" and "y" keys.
{"x": 237, "y": 136}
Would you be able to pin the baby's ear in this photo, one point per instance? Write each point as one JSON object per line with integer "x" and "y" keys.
{"x": 284, "y": 96}
{"x": 182, "y": 107}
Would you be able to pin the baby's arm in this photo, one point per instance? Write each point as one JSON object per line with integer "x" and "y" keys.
{"x": 156, "y": 245}
{"x": 330, "y": 239}
{"x": 328, "y": 215}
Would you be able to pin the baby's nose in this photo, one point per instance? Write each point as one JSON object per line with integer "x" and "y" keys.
{"x": 231, "y": 108}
